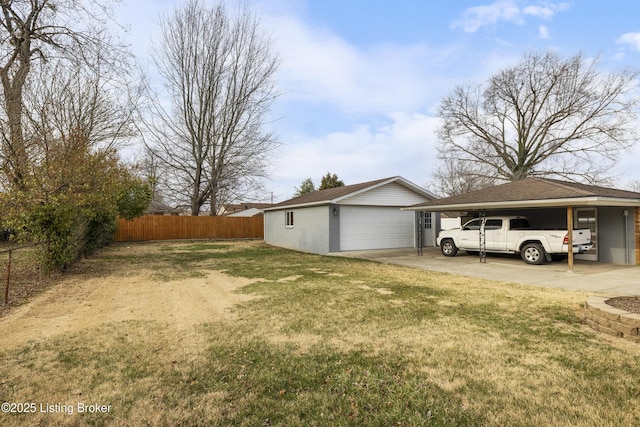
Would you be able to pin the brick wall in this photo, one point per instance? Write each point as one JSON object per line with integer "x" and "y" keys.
{"x": 610, "y": 320}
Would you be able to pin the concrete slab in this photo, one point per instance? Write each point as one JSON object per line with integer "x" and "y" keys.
{"x": 588, "y": 276}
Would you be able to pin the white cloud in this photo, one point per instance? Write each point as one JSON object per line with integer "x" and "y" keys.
{"x": 545, "y": 11}
{"x": 474, "y": 18}
{"x": 479, "y": 16}
{"x": 403, "y": 145}
{"x": 379, "y": 88}
{"x": 320, "y": 67}
{"x": 630, "y": 39}
{"x": 543, "y": 32}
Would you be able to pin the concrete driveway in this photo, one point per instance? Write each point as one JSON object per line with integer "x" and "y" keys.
{"x": 588, "y": 276}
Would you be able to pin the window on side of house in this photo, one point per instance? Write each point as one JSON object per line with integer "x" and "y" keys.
{"x": 288, "y": 219}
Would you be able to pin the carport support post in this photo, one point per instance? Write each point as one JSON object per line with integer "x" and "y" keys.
{"x": 570, "y": 239}
{"x": 6, "y": 289}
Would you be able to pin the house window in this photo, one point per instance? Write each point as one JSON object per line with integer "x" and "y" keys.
{"x": 428, "y": 224}
{"x": 288, "y": 219}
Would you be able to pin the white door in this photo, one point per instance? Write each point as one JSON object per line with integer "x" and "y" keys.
{"x": 469, "y": 235}
{"x": 494, "y": 235}
{"x": 372, "y": 227}
{"x": 429, "y": 236}
{"x": 588, "y": 218}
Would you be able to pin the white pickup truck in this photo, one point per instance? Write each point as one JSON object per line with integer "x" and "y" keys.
{"x": 512, "y": 234}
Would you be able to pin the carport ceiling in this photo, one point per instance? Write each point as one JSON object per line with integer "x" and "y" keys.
{"x": 533, "y": 193}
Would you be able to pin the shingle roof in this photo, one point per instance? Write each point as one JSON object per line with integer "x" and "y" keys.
{"x": 237, "y": 207}
{"x": 533, "y": 189}
{"x": 330, "y": 195}
{"x": 156, "y": 207}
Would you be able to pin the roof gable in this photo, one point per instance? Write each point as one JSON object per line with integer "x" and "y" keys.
{"x": 388, "y": 194}
{"x": 337, "y": 194}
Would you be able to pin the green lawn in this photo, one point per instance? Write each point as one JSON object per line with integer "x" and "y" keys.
{"x": 330, "y": 341}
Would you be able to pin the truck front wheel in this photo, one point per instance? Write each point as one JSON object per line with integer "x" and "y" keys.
{"x": 533, "y": 253}
{"x": 448, "y": 248}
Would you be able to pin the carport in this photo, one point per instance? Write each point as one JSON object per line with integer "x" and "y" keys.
{"x": 612, "y": 215}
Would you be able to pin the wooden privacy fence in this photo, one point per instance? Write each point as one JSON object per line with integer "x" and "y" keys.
{"x": 155, "y": 227}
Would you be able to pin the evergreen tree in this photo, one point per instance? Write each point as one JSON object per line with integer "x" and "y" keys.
{"x": 306, "y": 187}
{"x": 330, "y": 181}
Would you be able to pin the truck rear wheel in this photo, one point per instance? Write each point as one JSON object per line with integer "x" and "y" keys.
{"x": 533, "y": 253}
{"x": 448, "y": 248}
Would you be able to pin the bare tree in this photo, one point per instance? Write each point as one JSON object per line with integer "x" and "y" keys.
{"x": 543, "y": 116}
{"x": 73, "y": 113}
{"x": 32, "y": 31}
{"x": 150, "y": 171}
{"x": 219, "y": 72}
{"x": 634, "y": 186}
{"x": 93, "y": 103}
{"x": 453, "y": 177}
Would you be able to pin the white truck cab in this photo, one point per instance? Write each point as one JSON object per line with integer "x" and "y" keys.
{"x": 512, "y": 234}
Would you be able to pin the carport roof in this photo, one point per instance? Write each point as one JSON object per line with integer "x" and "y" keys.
{"x": 533, "y": 192}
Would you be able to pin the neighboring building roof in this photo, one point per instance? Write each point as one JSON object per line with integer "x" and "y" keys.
{"x": 238, "y": 207}
{"x": 534, "y": 192}
{"x": 246, "y": 212}
{"x": 337, "y": 194}
{"x": 156, "y": 208}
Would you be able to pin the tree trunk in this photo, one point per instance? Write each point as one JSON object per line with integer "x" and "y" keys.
{"x": 16, "y": 159}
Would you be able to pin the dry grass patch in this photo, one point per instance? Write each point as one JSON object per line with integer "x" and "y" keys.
{"x": 309, "y": 340}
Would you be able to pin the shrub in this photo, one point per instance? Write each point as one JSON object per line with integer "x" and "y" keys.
{"x": 72, "y": 201}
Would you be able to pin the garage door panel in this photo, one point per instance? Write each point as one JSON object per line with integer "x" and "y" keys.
{"x": 364, "y": 228}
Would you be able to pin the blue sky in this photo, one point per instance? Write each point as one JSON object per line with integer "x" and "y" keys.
{"x": 361, "y": 80}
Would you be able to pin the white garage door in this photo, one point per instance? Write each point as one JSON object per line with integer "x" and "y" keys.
{"x": 366, "y": 227}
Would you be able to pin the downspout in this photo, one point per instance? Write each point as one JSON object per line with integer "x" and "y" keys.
{"x": 419, "y": 221}
{"x": 625, "y": 215}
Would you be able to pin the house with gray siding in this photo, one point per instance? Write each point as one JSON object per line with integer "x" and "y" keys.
{"x": 353, "y": 217}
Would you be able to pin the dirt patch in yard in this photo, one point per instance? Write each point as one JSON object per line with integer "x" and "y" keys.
{"x": 82, "y": 303}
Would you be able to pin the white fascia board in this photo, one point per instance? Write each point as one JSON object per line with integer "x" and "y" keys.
{"x": 302, "y": 205}
{"x": 582, "y": 201}
{"x": 611, "y": 201}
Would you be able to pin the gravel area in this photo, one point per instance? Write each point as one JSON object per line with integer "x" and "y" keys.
{"x": 631, "y": 304}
